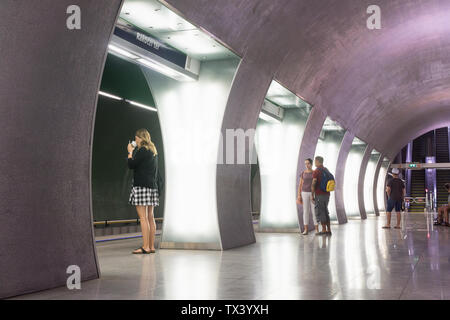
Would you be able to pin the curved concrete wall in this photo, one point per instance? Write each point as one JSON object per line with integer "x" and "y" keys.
{"x": 362, "y": 175}
{"x": 308, "y": 147}
{"x": 375, "y": 184}
{"x": 340, "y": 173}
{"x": 378, "y": 171}
{"x": 247, "y": 93}
{"x": 49, "y": 77}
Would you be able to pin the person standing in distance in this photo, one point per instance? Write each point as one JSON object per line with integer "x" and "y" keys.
{"x": 321, "y": 198}
{"x": 396, "y": 192}
{"x": 443, "y": 210}
{"x": 144, "y": 193}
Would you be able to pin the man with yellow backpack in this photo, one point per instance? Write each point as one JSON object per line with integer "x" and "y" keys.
{"x": 323, "y": 183}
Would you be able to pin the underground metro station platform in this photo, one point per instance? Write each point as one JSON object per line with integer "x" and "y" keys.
{"x": 359, "y": 261}
{"x": 187, "y": 149}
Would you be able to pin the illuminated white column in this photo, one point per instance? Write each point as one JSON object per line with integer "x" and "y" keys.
{"x": 381, "y": 185}
{"x": 191, "y": 115}
{"x": 361, "y": 180}
{"x": 277, "y": 145}
{"x": 368, "y": 184}
{"x": 351, "y": 179}
{"x": 328, "y": 148}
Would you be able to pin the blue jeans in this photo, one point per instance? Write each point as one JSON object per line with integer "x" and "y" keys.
{"x": 394, "y": 204}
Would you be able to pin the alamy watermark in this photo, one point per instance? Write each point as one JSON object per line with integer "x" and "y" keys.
{"x": 74, "y": 280}
{"x": 73, "y": 21}
{"x": 374, "y": 20}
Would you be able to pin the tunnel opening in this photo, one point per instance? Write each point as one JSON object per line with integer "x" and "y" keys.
{"x": 425, "y": 168}
{"x": 168, "y": 76}
{"x": 125, "y": 105}
{"x": 328, "y": 146}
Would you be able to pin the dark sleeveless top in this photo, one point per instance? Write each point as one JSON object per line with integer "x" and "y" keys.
{"x": 307, "y": 181}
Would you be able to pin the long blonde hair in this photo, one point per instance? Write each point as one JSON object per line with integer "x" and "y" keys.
{"x": 146, "y": 140}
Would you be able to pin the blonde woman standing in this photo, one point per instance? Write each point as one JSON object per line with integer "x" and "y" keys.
{"x": 144, "y": 193}
{"x": 304, "y": 196}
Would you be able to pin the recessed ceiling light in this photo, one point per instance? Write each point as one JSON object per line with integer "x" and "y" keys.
{"x": 121, "y": 51}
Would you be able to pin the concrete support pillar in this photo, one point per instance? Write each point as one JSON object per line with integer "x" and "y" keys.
{"x": 375, "y": 185}
{"x": 308, "y": 147}
{"x": 362, "y": 175}
{"x": 340, "y": 173}
{"x": 49, "y": 81}
{"x": 247, "y": 93}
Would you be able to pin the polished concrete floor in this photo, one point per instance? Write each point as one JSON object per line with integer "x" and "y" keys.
{"x": 359, "y": 261}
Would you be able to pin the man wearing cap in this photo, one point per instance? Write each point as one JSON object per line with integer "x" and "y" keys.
{"x": 396, "y": 192}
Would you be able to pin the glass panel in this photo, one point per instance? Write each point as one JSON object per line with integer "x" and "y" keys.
{"x": 278, "y": 137}
{"x": 381, "y": 192}
{"x": 369, "y": 180}
{"x": 351, "y": 177}
{"x": 328, "y": 146}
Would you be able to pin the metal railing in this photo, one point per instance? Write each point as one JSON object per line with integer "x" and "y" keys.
{"x": 109, "y": 222}
{"x": 429, "y": 211}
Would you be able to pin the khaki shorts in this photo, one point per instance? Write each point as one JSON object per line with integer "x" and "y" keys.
{"x": 322, "y": 213}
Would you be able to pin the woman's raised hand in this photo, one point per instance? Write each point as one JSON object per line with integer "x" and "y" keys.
{"x": 130, "y": 147}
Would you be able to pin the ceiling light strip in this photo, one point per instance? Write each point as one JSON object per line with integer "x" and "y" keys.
{"x": 267, "y": 117}
{"x": 134, "y": 103}
{"x": 140, "y": 105}
{"x": 105, "y": 94}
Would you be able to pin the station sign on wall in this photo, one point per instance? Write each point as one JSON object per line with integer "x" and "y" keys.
{"x": 145, "y": 41}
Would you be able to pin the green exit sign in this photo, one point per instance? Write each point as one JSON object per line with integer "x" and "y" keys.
{"x": 413, "y": 165}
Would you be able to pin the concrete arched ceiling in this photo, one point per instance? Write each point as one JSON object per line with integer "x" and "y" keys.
{"x": 386, "y": 86}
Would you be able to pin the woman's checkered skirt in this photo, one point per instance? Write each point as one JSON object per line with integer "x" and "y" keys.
{"x": 143, "y": 196}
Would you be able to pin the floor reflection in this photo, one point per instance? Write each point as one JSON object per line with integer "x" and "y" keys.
{"x": 359, "y": 261}
{"x": 190, "y": 275}
{"x": 279, "y": 260}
